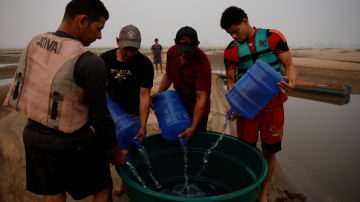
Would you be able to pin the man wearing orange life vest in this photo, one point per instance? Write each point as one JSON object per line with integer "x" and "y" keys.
{"x": 61, "y": 87}
{"x": 249, "y": 44}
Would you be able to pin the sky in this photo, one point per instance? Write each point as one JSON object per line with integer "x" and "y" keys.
{"x": 304, "y": 23}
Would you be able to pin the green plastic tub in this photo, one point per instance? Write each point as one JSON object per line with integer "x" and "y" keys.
{"x": 234, "y": 171}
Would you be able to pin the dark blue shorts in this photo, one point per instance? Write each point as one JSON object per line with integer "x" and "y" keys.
{"x": 81, "y": 171}
{"x": 157, "y": 60}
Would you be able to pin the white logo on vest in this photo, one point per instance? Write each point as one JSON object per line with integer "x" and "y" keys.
{"x": 262, "y": 43}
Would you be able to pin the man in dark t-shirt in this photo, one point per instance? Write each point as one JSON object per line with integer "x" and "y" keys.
{"x": 130, "y": 79}
{"x": 271, "y": 46}
{"x": 157, "y": 55}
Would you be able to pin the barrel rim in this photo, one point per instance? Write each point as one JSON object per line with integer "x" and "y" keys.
{"x": 158, "y": 96}
{"x": 228, "y": 196}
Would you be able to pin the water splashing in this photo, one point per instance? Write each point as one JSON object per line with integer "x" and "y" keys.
{"x": 148, "y": 165}
{"x": 133, "y": 170}
{"x": 209, "y": 150}
{"x": 186, "y": 185}
{"x": 180, "y": 190}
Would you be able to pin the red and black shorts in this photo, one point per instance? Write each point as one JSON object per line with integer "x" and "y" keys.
{"x": 269, "y": 122}
{"x": 80, "y": 171}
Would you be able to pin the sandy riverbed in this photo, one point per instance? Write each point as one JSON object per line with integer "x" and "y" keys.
{"x": 314, "y": 65}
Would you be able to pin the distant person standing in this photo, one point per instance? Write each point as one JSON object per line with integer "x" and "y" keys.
{"x": 251, "y": 43}
{"x": 156, "y": 49}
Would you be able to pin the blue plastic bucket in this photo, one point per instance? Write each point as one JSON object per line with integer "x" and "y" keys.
{"x": 171, "y": 114}
{"x": 126, "y": 126}
{"x": 254, "y": 90}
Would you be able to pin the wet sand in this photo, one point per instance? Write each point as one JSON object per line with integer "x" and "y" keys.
{"x": 12, "y": 156}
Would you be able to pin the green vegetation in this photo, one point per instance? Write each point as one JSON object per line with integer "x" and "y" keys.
{"x": 357, "y": 50}
{"x": 326, "y": 49}
{"x": 100, "y": 49}
{"x": 301, "y": 48}
{"x": 12, "y": 49}
{"x": 145, "y": 48}
{"x": 345, "y": 51}
{"x": 12, "y": 53}
{"x": 211, "y": 49}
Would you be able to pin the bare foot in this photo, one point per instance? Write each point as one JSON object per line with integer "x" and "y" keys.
{"x": 119, "y": 190}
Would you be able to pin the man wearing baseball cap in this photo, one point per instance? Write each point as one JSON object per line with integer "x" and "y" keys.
{"x": 130, "y": 79}
{"x": 189, "y": 69}
{"x": 156, "y": 50}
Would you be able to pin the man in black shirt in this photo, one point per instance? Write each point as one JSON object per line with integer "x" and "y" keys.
{"x": 130, "y": 79}
{"x": 58, "y": 161}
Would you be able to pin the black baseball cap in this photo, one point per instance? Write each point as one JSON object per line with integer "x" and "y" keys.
{"x": 156, "y": 39}
{"x": 186, "y": 40}
{"x": 130, "y": 36}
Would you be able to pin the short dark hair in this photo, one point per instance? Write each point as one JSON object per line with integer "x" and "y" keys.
{"x": 93, "y": 9}
{"x": 232, "y": 16}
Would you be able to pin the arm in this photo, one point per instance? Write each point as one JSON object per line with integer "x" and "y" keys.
{"x": 230, "y": 60}
{"x": 152, "y": 53}
{"x": 144, "y": 109}
{"x": 165, "y": 83}
{"x": 162, "y": 54}
{"x": 90, "y": 74}
{"x": 200, "y": 108}
{"x": 117, "y": 156}
{"x": 231, "y": 77}
{"x": 290, "y": 73}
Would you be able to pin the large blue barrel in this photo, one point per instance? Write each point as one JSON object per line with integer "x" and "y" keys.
{"x": 126, "y": 126}
{"x": 254, "y": 90}
{"x": 171, "y": 114}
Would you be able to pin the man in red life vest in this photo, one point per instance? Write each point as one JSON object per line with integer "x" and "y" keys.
{"x": 251, "y": 43}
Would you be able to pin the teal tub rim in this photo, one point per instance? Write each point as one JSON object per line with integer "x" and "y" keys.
{"x": 231, "y": 195}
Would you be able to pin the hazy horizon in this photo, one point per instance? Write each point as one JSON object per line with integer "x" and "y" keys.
{"x": 321, "y": 23}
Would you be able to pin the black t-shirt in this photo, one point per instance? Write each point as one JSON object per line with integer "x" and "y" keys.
{"x": 126, "y": 78}
{"x": 157, "y": 50}
{"x": 89, "y": 74}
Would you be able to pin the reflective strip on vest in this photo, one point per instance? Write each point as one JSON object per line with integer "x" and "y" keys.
{"x": 263, "y": 51}
{"x": 44, "y": 88}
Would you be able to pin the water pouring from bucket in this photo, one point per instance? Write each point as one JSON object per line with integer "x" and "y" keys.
{"x": 126, "y": 126}
{"x": 172, "y": 116}
{"x": 254, "y": 90}
{"x": 126, "y": 129}
{"x": 173, "y": 120}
